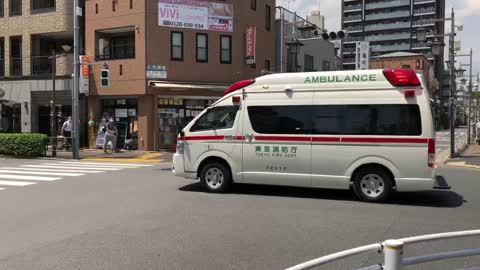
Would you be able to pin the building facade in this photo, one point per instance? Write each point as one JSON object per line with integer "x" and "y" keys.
{"x": 299, "y": 46}
{"x": 390, "y": 26}
{"x": 168, "y": 60}
{"x": 29, "y": 31}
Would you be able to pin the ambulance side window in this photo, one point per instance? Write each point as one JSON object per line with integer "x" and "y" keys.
{"x": 216, "y": 118}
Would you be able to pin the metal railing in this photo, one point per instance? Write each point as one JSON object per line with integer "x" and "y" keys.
{"x": 41, "y": 65}
{"x": 393, "y": 252}
{"x": 16, "y": 67}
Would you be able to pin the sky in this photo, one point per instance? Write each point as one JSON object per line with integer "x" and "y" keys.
{"x": 467, "y": 13}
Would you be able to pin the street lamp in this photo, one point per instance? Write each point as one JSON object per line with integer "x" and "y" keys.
{"x": 459, "y": 72}
{"x": 437, "y": 46}
{"x": 463, "y": 81}
{"x": 470, "y": 88}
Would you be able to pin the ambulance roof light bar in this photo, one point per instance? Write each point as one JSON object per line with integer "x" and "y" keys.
{"x": 239, "y": 85}
{"x": 402, "y": 77}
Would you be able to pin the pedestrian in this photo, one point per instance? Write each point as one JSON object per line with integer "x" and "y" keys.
{"x": 67, "y": 131}
{"x": 478, "y": 131}
{"x": 110, "y": 135}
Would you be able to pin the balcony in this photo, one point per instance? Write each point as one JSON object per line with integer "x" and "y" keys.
{"x": 118, "y": 43}
{"x": 356, "y": 18}
{"x": 418, "y": 2}
{"x": 16, "y": 67}
{"x": 41, "y": 65}
{"x": 388, "y": 37}
{"x": 354, "y": 29}
{"x": 389, "y": 4}
{"x": 423, "y": 23}
{"x": 352, "y": 39}
{"x": 387, "y": 15}
{"x": 348, "y": 50}
{"x": 353, "y": 8}
{"x": 424, "y": 11}
{"x": 391, "y": 48}
{"x": 420, "y": 46}
{"x": 387, "y": 26}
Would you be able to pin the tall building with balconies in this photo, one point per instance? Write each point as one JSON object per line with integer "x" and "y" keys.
{"x": 31, "y": 31}
{"x": 390, "y": 26}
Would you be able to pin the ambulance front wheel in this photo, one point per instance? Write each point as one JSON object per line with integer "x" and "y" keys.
{"x": 372, "y": 184}
{"x": 216, "y": 177}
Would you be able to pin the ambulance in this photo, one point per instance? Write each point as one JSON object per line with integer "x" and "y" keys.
{"x": 370, "y": 131}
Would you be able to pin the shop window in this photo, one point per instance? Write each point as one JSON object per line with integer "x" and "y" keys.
{"x": 176, "y": 46}
{"x": 225, "y": 49}
{"x": 202, "y": 48}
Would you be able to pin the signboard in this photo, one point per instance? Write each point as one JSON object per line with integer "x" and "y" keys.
{"x": 84, "y": 75}
{"x": 156, "y": 72}
{"x": 196, "y": 14}
{"x": 251, "y": 34}
{"x": 362, "y": 55}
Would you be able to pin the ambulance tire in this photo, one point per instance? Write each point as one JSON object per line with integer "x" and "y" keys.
{"x": 372, "y": 184}
{"x": 215, "y": 177}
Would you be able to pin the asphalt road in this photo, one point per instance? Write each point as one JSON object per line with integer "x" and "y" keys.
{"x": 144, "y": 218}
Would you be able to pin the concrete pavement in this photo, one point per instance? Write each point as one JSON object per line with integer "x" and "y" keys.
{"x": 144, "y": 218}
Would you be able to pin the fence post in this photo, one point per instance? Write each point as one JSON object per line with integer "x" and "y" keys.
{"x": 393, "y": 255}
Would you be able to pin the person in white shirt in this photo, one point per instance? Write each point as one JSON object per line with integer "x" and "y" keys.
{"x": 477, "y": 126}
{"x": 67, "y": 131}
{"x": 110, "y": 135}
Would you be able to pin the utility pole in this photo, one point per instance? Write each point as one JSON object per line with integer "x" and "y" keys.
{"x": 75, "y": 99}
{"x": 470, "y": 88}
{"x": 452, "y": 85}
{"x": 53, "y": 107}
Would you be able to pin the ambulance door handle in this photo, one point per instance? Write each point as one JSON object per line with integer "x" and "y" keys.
{"x": 228, "y": 138}
{"x": 249, "y": 137}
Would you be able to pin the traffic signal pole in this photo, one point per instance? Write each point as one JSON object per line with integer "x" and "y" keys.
{"x": 75, "y": 95}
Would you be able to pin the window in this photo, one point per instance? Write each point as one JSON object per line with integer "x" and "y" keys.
{"x": 308, "y": 65}
{"x": 268, "y": 17}
{"x": 15, "y": 7}
{"x": 253, "y": 4}
{"x": 121, "y": 70}
{"x": 16, "y": 56}
{"x": 2, "y": 57}
{"x": 216, "y": 118}
{"x": 118, "y": 45}
{"x": 96, "y": 8}
{"x": 42, "y": 5}
{"x": 325, "y": 66}
{"x": 113, "y": 5}
{"x": 1, "y": 8}
{"x": 225, "y": 49}
{"x": 202, "y": 48}
{"x": 131, "y": 4}
{"x": 393, "y": 120}
{"x": 176, "y": 49}
{"x": 267, "y": 65}
{"x": 280, "y": 119}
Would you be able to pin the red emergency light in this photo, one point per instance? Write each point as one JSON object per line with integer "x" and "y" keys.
{"x": 238, "y": 85}
{"x": 402, "y": 77}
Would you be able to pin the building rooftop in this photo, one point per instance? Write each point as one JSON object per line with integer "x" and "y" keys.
{"x": 398, "y": 54}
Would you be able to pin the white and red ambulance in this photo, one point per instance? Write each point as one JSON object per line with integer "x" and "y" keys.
{"x": 370, "y": 131}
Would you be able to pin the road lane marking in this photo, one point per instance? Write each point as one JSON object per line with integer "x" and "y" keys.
{"x": 106, "y": 164}
{"x": 16, "y": 183}
{"x": 51, "y": 170}
{"x": 69, "y": 167}
{"x": 28, "y": 177}
{"x": 83, "y": 166}
{"x": 39, "y": 173}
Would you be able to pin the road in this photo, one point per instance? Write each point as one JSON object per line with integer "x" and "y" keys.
{"x": 443, "y": 138}
{"x": 142, "y": 217}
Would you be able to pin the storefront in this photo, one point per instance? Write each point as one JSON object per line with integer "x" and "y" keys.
{"x": 124, "y": 112}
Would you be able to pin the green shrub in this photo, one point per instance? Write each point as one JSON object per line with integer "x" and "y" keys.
{"x": 23, "y": 144}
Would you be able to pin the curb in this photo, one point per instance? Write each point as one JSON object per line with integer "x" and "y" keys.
{"x": 461, "y": 164}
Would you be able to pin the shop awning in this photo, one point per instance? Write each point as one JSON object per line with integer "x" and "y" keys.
{"x": 188, "y": 86}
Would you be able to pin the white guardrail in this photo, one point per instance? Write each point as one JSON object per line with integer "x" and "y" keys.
{"x": 393, "y": 252}
{"x": 460, "y": 143}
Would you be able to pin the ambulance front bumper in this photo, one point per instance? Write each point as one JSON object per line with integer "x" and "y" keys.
{"x": 178, "y": 168}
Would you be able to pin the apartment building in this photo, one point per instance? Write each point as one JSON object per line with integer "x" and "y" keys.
{"x": 390, "y": 26}
{"x": 168, "y": 60}
{"x": 29, "y": 31}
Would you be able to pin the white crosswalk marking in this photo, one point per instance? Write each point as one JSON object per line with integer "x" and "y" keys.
{"x": 69, "y": 167}
{"x": 106, "y": 164}
{"x": 15, "y": 183}
{"x": 28, "y": 177}
{"x": 50, "y": 170}
{"x": 29, "y": 174}
{"x": 40, "y": 173}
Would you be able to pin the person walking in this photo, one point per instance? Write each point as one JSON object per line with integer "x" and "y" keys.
{"x": 67, "y": 131}
{"x": 477, "y": 126}
{"x": 110, "y": 135}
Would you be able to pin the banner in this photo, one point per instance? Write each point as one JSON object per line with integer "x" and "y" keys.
{"x": 84, "y": 75}
{"x": 250, "y": 39}
{"x": 362, "y": 55}
{"x": 196, "y": 15}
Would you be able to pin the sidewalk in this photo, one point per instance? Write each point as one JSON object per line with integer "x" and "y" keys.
{"x": 122, "y": 156}
{"x": 470, "y": 158}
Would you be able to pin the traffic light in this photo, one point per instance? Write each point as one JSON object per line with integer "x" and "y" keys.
{"x": 334, "y": 35}
{"x": 105, "y": 77}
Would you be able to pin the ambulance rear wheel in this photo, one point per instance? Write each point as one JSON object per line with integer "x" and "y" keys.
{"x": 372, "y": 184}
{"x": 216, "y": 177}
